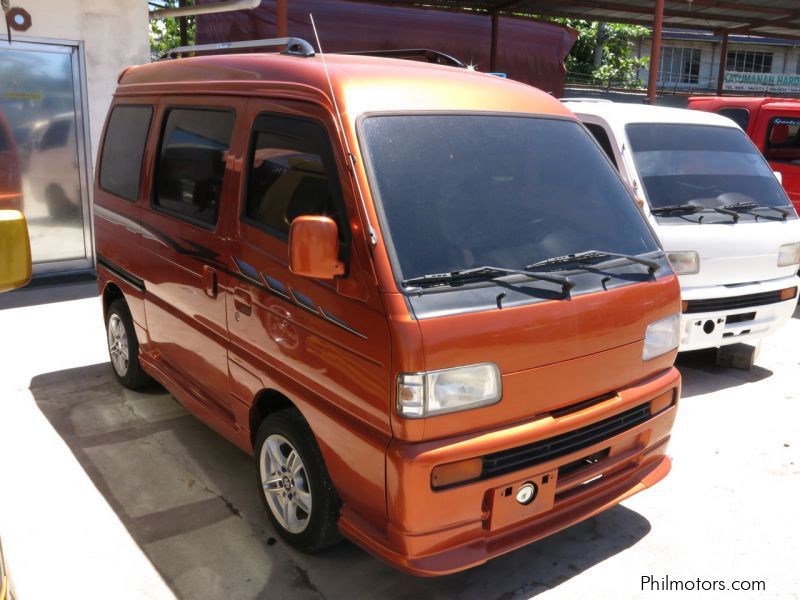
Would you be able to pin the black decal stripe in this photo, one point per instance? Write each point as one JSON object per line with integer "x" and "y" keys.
{"x": 244, "y": 271}
{"x": 126, "y": 276}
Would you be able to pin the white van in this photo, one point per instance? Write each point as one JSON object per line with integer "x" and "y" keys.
{"x": 726, "y": 223}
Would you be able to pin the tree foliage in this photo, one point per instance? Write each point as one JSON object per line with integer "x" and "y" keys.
{"x": 618, "y": 66}
{"x": 166, "y": 34}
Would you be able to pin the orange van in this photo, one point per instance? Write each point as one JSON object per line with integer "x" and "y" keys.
{"x": 419, "y": 296}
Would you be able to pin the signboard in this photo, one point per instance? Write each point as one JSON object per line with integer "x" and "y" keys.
{"x": 759, "y": 82}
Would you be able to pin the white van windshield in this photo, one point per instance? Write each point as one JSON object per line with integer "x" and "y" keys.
{"x": 701, "y": 165}
{"x": 463, "y": 191}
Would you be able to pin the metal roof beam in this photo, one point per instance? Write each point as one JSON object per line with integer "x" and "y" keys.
{"x": 668, "y": 12}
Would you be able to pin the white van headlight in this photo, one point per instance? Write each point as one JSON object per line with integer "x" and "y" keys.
{"x": 789, "y": 254}
{"x": 684, "y": 263}
{"x": 662, "y": 336}
{"x": 448, "y": 390}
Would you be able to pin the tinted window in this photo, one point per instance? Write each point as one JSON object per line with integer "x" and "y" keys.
{"x": 460, "y": 191}
{"x": 5, "y": 142}
{"x": 121, "y": 164}
{"x": 783, "y": 139}
{"x": 602, "y": 137}
{"x": 56, "y": 134}
{"x": 740, "y": 116}
{"x": 711, "y": 166}
{"x": 291, "y": 174}
{"x": 191, "y": 164}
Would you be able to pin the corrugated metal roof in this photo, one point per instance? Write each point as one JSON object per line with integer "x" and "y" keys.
{"x": 774, "y": 18}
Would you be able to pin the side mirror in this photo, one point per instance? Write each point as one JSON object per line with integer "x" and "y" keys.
{"x": 15, "y": 250}
{"x": 314, "y": 247}
{"x": 779, "y": 176}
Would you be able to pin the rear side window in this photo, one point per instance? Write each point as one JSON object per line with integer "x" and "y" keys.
{"x": 191, "y": 163}
{"x": 740, "y": 116}
{"x": 291, "y": 174}
{"x": 783, "y": 139}
{"x": 602, "y": 137}
{"x": 123, "y": 149}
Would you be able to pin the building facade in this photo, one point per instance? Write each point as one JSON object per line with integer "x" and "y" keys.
{"x": 689, "y": 62}
{"x": 56, "y": 82}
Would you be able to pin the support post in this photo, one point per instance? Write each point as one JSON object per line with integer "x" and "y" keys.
{"x": 655, "y": 50}
{"x": 723, "y": 61}
{"x": 183, "y": 26}
{"x": 493, "y": 53}
{"x": 283, "y": 19}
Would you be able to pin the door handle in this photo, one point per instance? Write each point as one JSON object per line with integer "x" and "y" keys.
{"x": 243, "y": 301}
{"x": 210, "y": 281}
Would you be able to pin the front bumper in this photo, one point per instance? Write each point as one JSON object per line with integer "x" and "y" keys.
{"x": 435, "y": 532}
{"x": 712, "y": 329}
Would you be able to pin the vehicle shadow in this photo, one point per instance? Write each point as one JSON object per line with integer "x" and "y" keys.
{"x": 189, "y": 499}
{"x": 702, "y": 375}
{"x": 51, "y": 289}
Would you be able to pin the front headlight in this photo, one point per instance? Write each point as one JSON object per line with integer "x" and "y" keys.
{"x": 662, "y": 336}
{"x": 789, "y": 254}
{"x": 448, "y": 390}
{"x": 684, "y": 263}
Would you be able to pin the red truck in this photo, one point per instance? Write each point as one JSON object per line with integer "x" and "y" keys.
{"x": 10, "y": 182}
{"x": 774, "y": 126}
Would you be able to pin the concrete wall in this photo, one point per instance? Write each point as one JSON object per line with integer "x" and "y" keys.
{"x": 114, "y": 32}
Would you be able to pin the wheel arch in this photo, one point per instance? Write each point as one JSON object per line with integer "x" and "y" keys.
{"x": 267, "y": 402}
{"x": 111, "y": 292}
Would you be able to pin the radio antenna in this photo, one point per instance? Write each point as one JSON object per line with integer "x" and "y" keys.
{"x": 370, "y": 230}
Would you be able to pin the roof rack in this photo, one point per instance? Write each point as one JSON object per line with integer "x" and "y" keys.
{"x": 587, "y": 99}
{"x": 294, "y": 47}
{"x": 431, "y": 56}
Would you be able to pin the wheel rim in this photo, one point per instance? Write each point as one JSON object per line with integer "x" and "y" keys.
{"x": 285, "y": 482}
{"x": 118, "y": 345}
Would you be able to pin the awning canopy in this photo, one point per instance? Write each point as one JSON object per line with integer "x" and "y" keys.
{"x": 774, "y": 18}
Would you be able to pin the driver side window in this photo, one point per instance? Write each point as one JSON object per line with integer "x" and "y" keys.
{"x": 291, "y": 174}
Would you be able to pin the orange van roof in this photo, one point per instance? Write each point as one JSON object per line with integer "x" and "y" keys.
{"x": 362, "y": 83}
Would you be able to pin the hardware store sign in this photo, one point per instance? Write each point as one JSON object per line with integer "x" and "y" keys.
{"x": 777, "y": 82}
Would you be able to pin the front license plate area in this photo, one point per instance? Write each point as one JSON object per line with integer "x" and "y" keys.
{"x": 504, "y": 507}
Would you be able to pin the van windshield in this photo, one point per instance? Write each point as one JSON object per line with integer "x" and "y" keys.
{"x": 703, "y": 165}
{"x": 462, "y": 191}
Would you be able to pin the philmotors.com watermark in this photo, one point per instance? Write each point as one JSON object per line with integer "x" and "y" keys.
{"x": 651, "y": 583}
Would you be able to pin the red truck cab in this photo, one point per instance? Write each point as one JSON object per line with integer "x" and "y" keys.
{"x": 774, "y": 126}
{"x": 10, "y": 182}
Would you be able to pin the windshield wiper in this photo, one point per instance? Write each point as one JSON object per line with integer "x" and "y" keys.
{"x": 690, "y": 208}
{"x": 583, "y": 259}
{"x": 695, "y": 208}
{"x": 749, "y": 206}
{"x": 486, "y": 273}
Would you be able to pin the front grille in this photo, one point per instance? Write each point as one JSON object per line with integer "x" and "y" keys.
{"x": 733, "y": 303}
{"x": 536, "y": 453}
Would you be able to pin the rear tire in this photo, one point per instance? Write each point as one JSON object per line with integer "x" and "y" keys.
{"x": 123, "y": 347}
{"x": 296, "y": 489}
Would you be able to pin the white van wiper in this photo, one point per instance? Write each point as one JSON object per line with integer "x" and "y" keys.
{"x": 695, "y": 208}
{"x": 749, "y": 206}
{"x": 485, "y": 273}
{"x": 583, "y": 259}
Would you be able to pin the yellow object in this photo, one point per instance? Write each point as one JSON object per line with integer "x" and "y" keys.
{"x": 15, "y": 250}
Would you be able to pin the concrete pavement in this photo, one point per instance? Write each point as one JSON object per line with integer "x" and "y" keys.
{"x": 108, "y": 493}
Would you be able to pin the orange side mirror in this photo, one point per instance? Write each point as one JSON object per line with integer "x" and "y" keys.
{"x": 314, "y": 247}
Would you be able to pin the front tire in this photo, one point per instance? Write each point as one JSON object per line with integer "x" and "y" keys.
{"x": 297, "y": 492}
{"x": 123, "y": 347}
